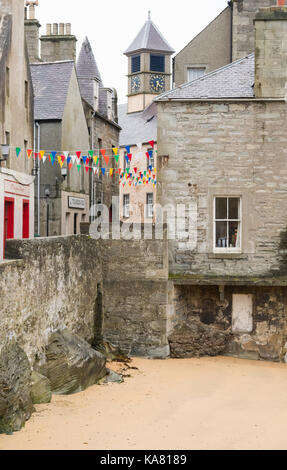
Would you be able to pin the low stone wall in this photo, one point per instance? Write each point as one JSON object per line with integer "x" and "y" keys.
{"x": 135, "y": 297}
{"x": 50, "y": 284}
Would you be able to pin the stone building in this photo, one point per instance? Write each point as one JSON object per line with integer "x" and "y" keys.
{"x": 149, "y": 73}
{"x": 71, "y": 98}
{"x": 63, "y": 193}
{"x": 16, "y": 127}
{"x": 101, "y": 111}
{"x": 222, "y": 144}
{"x": 230, "y": 36}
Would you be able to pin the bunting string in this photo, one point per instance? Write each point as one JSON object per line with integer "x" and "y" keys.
{"x": 90, "y": 161}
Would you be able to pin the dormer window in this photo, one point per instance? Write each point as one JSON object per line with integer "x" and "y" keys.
{"x": 136, "y": 63}
{"x": 110, "y": 104}
{"x": 96, "y": 95}
{"x": 157, "y": 63}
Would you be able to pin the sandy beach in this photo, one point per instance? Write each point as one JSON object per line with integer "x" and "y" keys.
{"x": 210, "y": 403}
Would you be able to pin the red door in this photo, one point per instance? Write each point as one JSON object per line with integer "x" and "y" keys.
{"x": 8, "y": 220}
{"x": 25, "y": 219}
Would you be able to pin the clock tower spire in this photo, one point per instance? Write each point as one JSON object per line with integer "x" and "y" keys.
{"x": 149, "y": 67}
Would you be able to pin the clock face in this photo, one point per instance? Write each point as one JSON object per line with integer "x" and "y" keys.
{"x": 157, "y": 83}
{"x": 136, "y": 84}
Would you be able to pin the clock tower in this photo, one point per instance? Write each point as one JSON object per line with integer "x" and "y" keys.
{"x": 149, "y": 67}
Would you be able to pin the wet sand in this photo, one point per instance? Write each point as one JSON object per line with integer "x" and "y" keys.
{"x": 210, "y": 403}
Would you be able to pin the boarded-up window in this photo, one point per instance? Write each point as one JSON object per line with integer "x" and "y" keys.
{"x": 242, "y": 309}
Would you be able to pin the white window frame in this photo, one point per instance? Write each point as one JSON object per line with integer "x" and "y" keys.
{"x": 237, "y": 249}
{"x": 149, "y": 206}
{"x": 126, "y": 206}
{"x": 195, "y": 68}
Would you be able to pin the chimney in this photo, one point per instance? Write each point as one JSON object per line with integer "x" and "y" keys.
{"x": 32, "y": 27}
{"x": 58, "y": 43}
{"x": 271, "y": 51}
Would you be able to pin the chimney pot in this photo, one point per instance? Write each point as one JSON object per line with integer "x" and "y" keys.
{"x": 61, "y": 29}
{"x": 55, "y": 29}
{"x": 48, "y": 29}
{"x": 68, "y": 29}
{"x": 32, "y": 11}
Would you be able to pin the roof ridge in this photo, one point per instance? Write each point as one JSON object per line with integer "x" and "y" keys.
{"x": 54, "y": 62}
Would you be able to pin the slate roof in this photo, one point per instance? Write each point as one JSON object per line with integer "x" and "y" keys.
{"x": 87, "y": 70}
{"x": 137, "y": 127}
{"x": 235, "y": 80}
{"x": 149, "y": 38}
{"x": 51, "y": 82}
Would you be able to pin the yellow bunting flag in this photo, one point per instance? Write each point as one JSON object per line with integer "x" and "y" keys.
{"x": 96, "y": 160}
{"x": 115, "y": 150}
{"x": 42, "y": 153}
{"x": 60, "y": 160}
{"x": 111, "y": 171}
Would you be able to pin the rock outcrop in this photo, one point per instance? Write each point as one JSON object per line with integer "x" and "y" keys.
{"x": 16, "y": 404}
{"x": 196, "y": 340}
{"x": 41, "y": 389}
{"x": 72, "y": 365}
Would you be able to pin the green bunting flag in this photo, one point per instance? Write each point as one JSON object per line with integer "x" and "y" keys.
{"x": 18, "y": 150}
{"x": 78, "y": 167}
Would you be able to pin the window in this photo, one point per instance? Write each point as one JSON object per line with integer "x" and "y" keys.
{"x": 194, "y": 72}
{"x": 157, "y": 63}
{"x": 150, "y": 161}
{"x": 126, "y": 206}
{"x": 136, "y": 63}
{"x": 96, "y": 95}
{"x": 227, "y": 223}
{"x": 7, "y": 82}
{"x": 149, "y": 201}
{"x": 26, "y": 94}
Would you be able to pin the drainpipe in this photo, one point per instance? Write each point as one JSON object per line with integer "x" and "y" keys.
{"x": 38, "y": 173}
{"x": 92, "y": 188}
{"x": 230, "y": 4}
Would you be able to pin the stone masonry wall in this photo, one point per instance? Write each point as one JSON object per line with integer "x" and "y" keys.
{"x": 52, "y": 285}
{"x": 202, "y": 305}
{"x": 136, "y": 296}
{"x": 243, "y": 28}
{"x": 226, "y": 149}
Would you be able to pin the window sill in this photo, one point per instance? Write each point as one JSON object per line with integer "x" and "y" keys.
{"x": 227, "y": 255}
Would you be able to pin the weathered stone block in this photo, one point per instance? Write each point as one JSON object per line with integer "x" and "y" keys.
{"x": 196, "y": 340}
{"x": 41, "y": 389}
{"x": 72, "y": 365}
{"x": 15, "y": 389}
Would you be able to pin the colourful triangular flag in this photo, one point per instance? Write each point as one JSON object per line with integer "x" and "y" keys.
{"x": 115, "y": 150}
{"x": 151, "y": 142}
{"x": 91, "y": 153}
{"x": 79, "y": 154}
{"x": 103, "y": 171}
{"x": 18, "y": 150}
{"x": 117, "y": 158}
{"x": 78, "y": 167}
{"x": 103, "y": 152}
{"x": 29, "y": 152}
{"x": 107, "y": 159}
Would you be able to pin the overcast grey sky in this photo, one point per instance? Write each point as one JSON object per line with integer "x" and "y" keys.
{"x": 112, "y": 25}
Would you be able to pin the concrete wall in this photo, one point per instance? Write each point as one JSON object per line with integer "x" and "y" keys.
{"x": 60, "y": 278}
{"x": 210, "y": 49}
{"x": 226, "y": 149}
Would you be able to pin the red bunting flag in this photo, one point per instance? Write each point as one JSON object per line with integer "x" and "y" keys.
{"x": 147, "y": 154}
{"x": 135, "y": 170}
{"x": 78, "y": 154}
{"x": 130, "y": 157}
{"x": 63, "y": 158}
{"x": 36, "y": 155}
{"x": 103, "y": 152}
{"x": 151, "y": 142}
{"x": 70, "y": 165}
{"x": 29, "y": 152}
{"x": 107, "y": 159}
{"x": 87, "y": 169}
